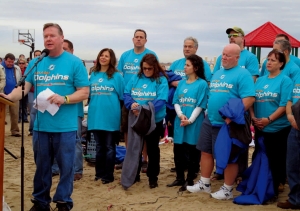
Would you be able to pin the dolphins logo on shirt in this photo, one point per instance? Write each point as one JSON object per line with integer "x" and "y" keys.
{"x": 222, "y": 76}
{"x": 144, "y": 86}
{"x": 185, "y": 90}
{"x": 266, "y": 86}
{"x": 136, "y": 60}
{"x": 51, "y": 67}
{"x": 100, "y": 80}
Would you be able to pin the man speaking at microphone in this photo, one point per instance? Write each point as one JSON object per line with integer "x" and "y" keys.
{"x": 55, "y": 136}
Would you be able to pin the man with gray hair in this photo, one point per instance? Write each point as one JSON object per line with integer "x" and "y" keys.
{"x": 190, "y": 47}
{"x": 293, "y": 58}
{"x": 290, "y": 69}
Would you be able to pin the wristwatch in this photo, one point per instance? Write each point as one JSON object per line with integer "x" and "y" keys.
{"x": 270, "y": 120}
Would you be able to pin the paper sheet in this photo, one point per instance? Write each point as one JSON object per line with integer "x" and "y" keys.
{"x": 43, "y": 104}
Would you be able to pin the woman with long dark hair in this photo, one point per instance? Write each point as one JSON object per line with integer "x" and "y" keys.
{"x": 149, "y": 85}
{"x": 104, "y": 114}
{"x": 190, "y": 100}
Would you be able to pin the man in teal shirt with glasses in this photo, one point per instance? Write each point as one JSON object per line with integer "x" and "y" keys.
{"x": 247, "y": 59}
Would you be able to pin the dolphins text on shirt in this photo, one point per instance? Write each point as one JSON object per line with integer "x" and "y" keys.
{"x": 220, "y": 85}
{"x": 179, "y": 72}
{"x": 261, "y": 94}
{"x": 131, "y": 68}
{"x": 187, "y": 100}
{"x": 142, "y": 94}
{"x": 102, "y": 88}
{"x": 47, "y": 78}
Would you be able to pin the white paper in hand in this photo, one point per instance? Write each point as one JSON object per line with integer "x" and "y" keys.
{"x": 43, "y": 104}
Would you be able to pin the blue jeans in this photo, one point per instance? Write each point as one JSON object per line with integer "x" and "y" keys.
{"x": 105, "y": 154}
{"x": 32, "y": 111}
{"x": 78, "y": 162}
{"x": 46, "y": 147}
{"x": 293, "y": 166}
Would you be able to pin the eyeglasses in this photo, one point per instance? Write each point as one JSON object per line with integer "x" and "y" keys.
{"x": 148, "y": 68}
{"x": 21, "y": 63}
{"x": 233, "y": 35}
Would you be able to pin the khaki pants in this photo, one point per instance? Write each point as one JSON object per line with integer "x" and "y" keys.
{"x": 14, "y": 117}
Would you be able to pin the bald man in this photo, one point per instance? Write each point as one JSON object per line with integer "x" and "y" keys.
{"x": 232, "y": 81}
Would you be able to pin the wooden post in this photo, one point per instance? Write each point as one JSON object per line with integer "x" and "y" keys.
{"x": 3, "y": 102}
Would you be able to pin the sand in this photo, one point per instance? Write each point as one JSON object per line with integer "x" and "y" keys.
{"x": 89, "y": 195}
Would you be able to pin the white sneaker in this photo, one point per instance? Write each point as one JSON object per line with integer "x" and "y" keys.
{"x": 223, "y": 194}
{"x": 199, "y": 187}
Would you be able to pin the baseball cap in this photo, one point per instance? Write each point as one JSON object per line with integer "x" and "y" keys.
{"x": 236, "y": 29}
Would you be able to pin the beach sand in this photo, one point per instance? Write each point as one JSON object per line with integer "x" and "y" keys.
{"x": 90, "y": 195}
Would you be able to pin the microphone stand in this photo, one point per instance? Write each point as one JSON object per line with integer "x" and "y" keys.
{"x": 22, "y": 83}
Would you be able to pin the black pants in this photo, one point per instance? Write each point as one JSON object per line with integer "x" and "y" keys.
{"x": 181, "y": 161}
{"x": 105, "y": 153}
{"x": 276, "y": 147}
{"x": 170, "y": 117}
{"x": 153, "y": 151}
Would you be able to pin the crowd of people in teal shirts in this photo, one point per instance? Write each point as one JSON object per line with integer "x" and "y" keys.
{"x": 193, "y": 110}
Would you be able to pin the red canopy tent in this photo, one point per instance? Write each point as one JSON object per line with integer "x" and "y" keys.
{"x": 264, "y": 36}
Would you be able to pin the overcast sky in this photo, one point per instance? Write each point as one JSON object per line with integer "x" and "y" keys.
{"x": 95, "y": 24}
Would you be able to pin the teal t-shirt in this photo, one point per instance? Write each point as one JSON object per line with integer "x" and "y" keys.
{"x": 225, "y": 84}
{"x": 144, "y": 90}
{"x": 129, "y": 63}
{"x": 290, "y": 69}
{"x": 62, "y": 75}
{"x": 178, "y": 68}
{"x": 295, "y": 94}
{"x": 104, "y": 107}
{"x": 295, "y": 59}
{"x": 247, "y": 60}
{"x": 270, "y": 94}
{"x": 190, "y": 96}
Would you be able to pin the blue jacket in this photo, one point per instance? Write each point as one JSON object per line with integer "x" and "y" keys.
{"x": 171, "y": 77}
{"x": 257, "y": 184}
{"x": 234, "y": 109}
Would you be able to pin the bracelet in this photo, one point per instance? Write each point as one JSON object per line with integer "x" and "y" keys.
{"x": 67, "y": 100}
{"x": 270, "y": 120}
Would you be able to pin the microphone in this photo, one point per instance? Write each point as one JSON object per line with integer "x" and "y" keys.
{"x": 45, "y": 53}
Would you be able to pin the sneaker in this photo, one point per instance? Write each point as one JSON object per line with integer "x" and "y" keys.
{"x": 199, "y": 187}
{"x": 223, "y": 194}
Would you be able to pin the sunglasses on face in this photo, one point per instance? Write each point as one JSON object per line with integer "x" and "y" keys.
{"x": 149, "y": 68}
{"x": 21, "y": 63}
{"x": 233, "y": 35}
